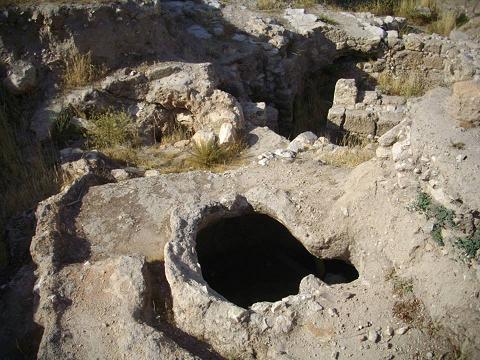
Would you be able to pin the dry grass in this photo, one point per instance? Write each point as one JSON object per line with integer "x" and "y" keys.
{"x": 176, "y": 133}
{"x": 79, "y": 70}
{"x": 28, "y": 174}
{"x": 281, "y": 4}
{"x": 409, "y": 311}
{"x": 413, "y": 84}
{"x": 111, "y": 129}
{"x": 405, "y": 8}
{"x": 271, "y": 4}
{"x": 444, "y": 25}
{"x": 211, "y": 155}
{"x": 409, "y": 9}
{"x": 304, "y": 3}
{"x": 350, "y": 157}
{"x": 354, "y": 141}
{"x": 4, "y": 3}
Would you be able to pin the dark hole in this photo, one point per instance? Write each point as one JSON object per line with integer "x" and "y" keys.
{"x": 253, "y": 258}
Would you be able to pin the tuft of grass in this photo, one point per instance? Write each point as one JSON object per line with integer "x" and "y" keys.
{"x": 347, "y": 157}
{"x": 444, "y": 25}
{"x": 418, "y": 12}
{"x": 271, "y": 4}
{"x": 79, "y": 69}
{"x": 176, "y": 133}
{"x": 437, "y": 234}
{"x": 413, "y": 84}
{"x": 410, "y": 10}
{"x": 327, "y": 20}
{"x": 462, "y": 19}
{"x": 281, "y": 4}
{"x": 208, "y": 155}
{"x": 125, "y": 155}
{"x": 29, "y": 173}
{"x": 353, "y": 141}
{"x": 304, "y": 3}
{"x": 408, "y": 310}
{"x": 401, "y": 286}
{"x": 469, "y": 245}
{"x": 63, "y": 130}
{"x": 111, "y": 129}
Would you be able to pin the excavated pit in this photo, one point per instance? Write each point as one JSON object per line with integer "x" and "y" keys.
{"x": 254, "y": 258}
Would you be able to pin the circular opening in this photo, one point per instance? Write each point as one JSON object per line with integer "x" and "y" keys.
{"x": 253, "y": 258}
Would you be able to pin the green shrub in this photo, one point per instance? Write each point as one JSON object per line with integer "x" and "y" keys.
{"x": 111, "y": 129}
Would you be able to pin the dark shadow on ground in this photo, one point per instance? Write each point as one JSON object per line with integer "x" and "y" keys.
{"x": 161, "y": 316}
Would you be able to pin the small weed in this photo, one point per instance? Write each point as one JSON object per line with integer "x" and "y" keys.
{"x": 401, "y": 287}
{"x": 469, "y": 245}
{"x": 423, "y": 202}
{"x": 79, "y": 70}
{"x": 111, "y": 129}
{"x": 436, "y": 234}
{"x": 443, "y": 216}
{"x": 462, "y": 19}
{"x": 413, "y": 84}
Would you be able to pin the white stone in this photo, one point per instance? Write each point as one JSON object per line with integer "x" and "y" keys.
{"x": 227, "y": 134}
{"x": 287, "y": 154}
{"x": 373, "y": 336}
{"x": 21, "y": 77}
{"x": 119, "y": 174}
{"x": 302, "y": 141}
{"x": 203, "y": 137}
{"x": 345, "y": 92}
{"x": 150, "y": 173}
